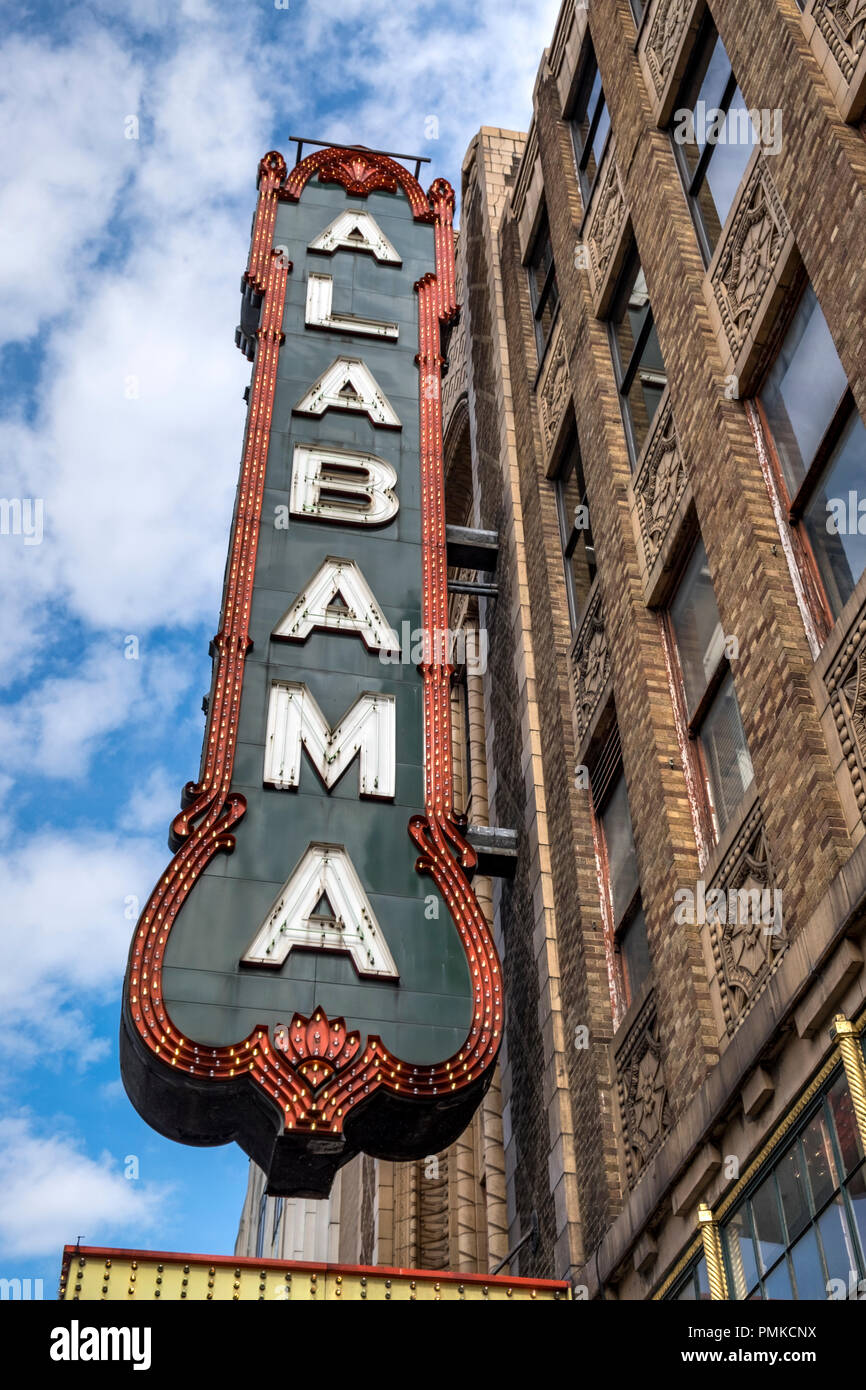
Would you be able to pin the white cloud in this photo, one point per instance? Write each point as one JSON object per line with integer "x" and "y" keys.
{"x": 126, "y": 255}
{"x": 57, "y": 727}
{"x": 154, "y": 804}
{"x": 51, "y": 1191}
{"x": 64, "y": 937}
{"x": 62, "y": 108}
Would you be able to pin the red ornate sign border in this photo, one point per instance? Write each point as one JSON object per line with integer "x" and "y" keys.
{"x": 317, "y": 1078}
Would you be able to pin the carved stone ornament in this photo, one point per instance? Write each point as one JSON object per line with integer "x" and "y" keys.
{"x": 643, "y": 1093}
{"x": 842, "y": 24}
{"x": 663, "y": 39}
{"x": 660, "y": 482}
{"x": 606, "y": 221}
{"x": 591, "y": 662}
{"x": 553, "y": 391}
{"x": 747, "y": 934}
{"x": 846, "y": 686}
{"x": 749, "y": 255}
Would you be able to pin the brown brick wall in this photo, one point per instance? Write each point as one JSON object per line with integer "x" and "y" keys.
{"x": 820, "y": 177}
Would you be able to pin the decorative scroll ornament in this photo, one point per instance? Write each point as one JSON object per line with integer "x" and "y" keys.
{"x": 591, "y": 659}
{"x": 660, "y": 483}
{"x": 643, "y": 1092}
{"x": 843, "y": 26}
{"x": 846, "y": 686}
{"x": 663, "y": 39}
{"x": 553, "y": 392}
{"x": 749, "y": 255}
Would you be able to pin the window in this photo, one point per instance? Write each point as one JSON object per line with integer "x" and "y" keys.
{"x": 818, "y": 446}
{"x": 278, "y": 1217}
{"x": 803, "y": 1223}
{"x": 590, "y": 126}
{"x": 577, "y": 548}
{"x": 693, "y": 1286}
{"x": 543, "y": 289}
{"x": 713, "y": 136}
{"x": 708, "y": 689}
{"x": 637, "y": 358}
{"x": 263, "y": 1216}
{"x": 638, "y": 9}
{"x": 620, "y": 885}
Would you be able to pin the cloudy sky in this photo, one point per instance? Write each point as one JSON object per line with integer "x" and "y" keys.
{"x": 130, "y": 135}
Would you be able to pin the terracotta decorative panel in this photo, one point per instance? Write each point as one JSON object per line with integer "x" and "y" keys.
{"x": 643, "y": 1092}
{"x": 751, "y": 272}
{"x": 745, "y": 926}
{"x": 604, "y": 232}
{"x": 837, "y": 31}
{"x": 591, "y": 663}
{"x": 554, "y": 391}
{"x": 660, "y": 484}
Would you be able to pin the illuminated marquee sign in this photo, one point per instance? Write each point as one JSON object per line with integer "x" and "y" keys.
{"x": 312, "y": 975}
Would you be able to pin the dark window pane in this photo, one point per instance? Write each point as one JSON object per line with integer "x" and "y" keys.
{"x": 635, "y": 952}
{"x": 820, "y": 1163}
{"x": 729, "y": 767}
{"x": 640, "y": 366}
{"x": 729, "y": 158}
{"x": 808, "y": 1270}
{"x": 622, "y": 862}
{"x": 832, "y": 518}
{"x": 647, "y": 387}
{"x": 845, "y": 1121}
{"x": 703, "y": 1278}
{"x": 838, "y": 1243}
{"x": 790, "y": 1173}
{"x": 632, "y": 310}
{"x": 687, "y": 1293}
{"x": 706, "y": 85}
{"x": 803, "y": 390}
{"x": 697, "y": 628}
{"x": 599, "y": 138}
{"x": 768, "y": 1223}
{"x": 577, "y": 544}
{"x": 742, "y": 1259}
{"x": 778, "y": 1284}
{"x": 590, "y": 126}
{"x": 857, "y": 1197}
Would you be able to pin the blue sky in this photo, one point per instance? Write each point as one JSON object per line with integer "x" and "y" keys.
{"x": 121, "y": 411}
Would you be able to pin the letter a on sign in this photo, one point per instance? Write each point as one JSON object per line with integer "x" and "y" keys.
{"x": 323, "y": 907}
{"x": 356, "y": 230}
{"x": 348, "y": 384}
{"x": 338, "y": 598}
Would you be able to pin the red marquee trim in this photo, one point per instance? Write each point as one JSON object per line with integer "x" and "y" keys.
{"x": 360, "y": 172}
{"x": 323, "y": 1099}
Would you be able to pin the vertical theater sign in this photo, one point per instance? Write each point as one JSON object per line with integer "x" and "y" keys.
{"x": 312, "y": 976}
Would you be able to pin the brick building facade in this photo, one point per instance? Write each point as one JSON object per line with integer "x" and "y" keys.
{"x": 656, "y": 398}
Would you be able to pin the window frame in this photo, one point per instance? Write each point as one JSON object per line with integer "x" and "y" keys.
{"x": 815, "y": 1209}
{"x": 538, "y": 302}
{"x": 275, "y": 1233}
{"x": 693, "y": 182}
{"x": 262, "y": 1225}
{"x": 626, "y": 991}
{"x": 581, "y": 147}
{"x": 624, "y": 374}
{"x": 571, "y": 460}
{"x": 694, "y": 720}
{"x": 817, "y": 597}
{"x": 695, "y": 1274}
